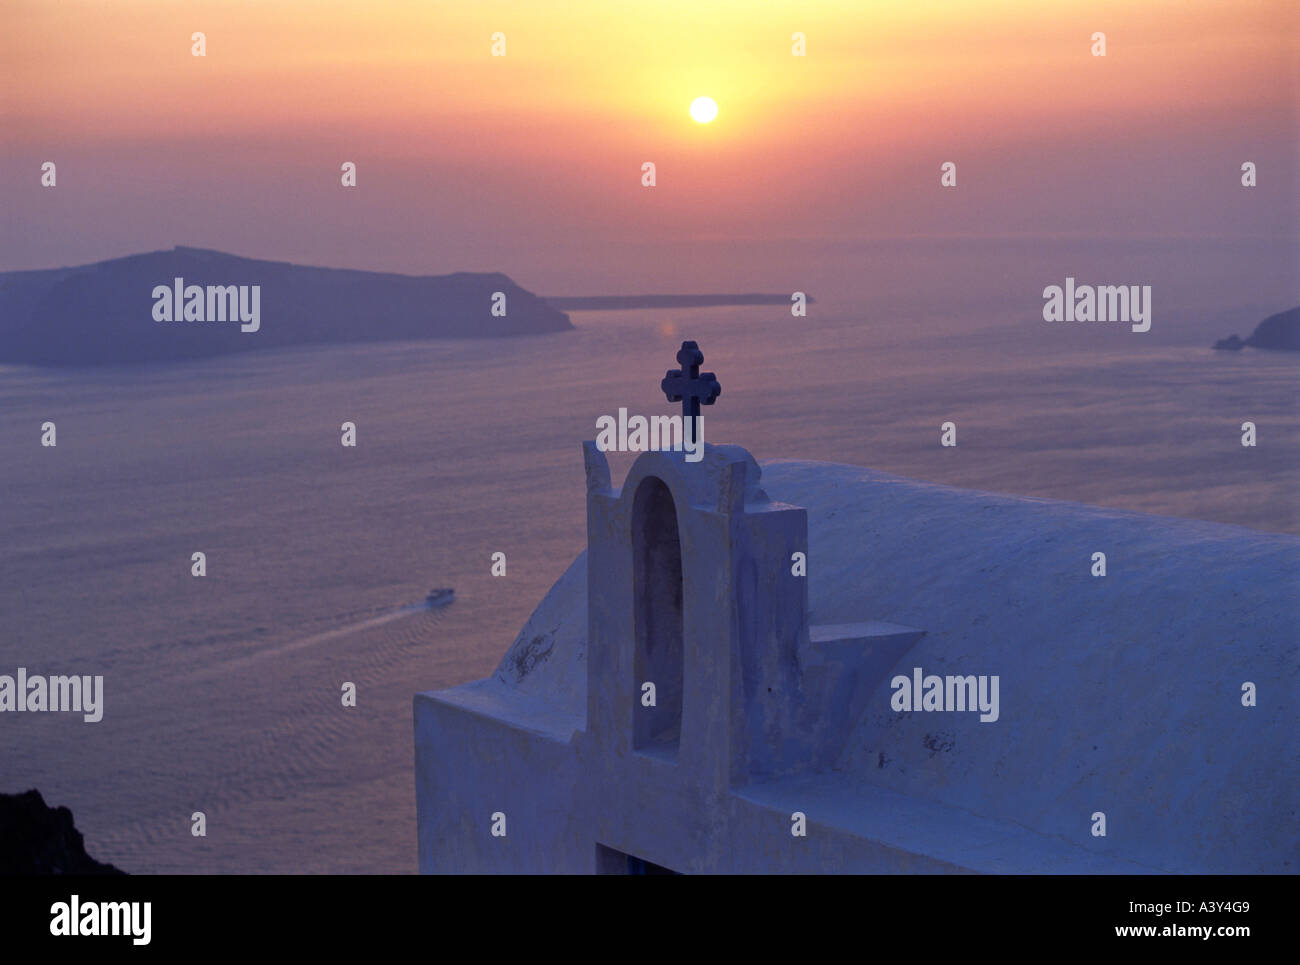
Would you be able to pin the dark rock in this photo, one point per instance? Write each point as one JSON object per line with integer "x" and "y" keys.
{"x": 36, "y": 839}
{"x": 1232, "y": 342}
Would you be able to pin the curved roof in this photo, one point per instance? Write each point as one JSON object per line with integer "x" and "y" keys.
{"x": 1120, "y": 694}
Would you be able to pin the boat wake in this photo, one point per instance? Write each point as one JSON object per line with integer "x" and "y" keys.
{"x": 316, "y": 638}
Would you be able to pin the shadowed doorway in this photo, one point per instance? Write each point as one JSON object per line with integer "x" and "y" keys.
{"x": 657, "y": 572}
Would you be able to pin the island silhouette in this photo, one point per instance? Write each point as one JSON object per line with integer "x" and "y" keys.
{"x": 103, "y": 313}
{"x": 122, "y": 310}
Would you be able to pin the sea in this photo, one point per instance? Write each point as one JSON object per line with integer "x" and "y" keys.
{"x": 223, "y": 694}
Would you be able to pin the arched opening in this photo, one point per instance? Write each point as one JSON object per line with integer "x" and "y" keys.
{"x": 660, "y": 649}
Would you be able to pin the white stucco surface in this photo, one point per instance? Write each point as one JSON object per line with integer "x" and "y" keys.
{"x": 1118, "y": 694}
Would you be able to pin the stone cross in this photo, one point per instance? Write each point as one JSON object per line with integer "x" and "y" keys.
{"x": 689, "y": 386}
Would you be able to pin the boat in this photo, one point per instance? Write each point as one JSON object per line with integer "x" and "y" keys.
{"x": 440, "y": 596}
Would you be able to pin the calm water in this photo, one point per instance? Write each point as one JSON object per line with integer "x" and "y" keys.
{"x": 222, "y": 694}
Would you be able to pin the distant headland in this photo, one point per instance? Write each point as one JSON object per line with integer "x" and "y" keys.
{"x": 1280, "y": 331}
{"x": 581, "y": 303}
{"x": 190, "y": 303}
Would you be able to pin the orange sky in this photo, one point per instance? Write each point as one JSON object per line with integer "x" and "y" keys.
{"x": 472, "y": 161}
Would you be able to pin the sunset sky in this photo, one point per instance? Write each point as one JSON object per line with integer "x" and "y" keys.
{"x": 530, "y": 163}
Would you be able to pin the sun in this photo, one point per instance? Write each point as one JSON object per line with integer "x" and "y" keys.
{"x": 704, "y": 109}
